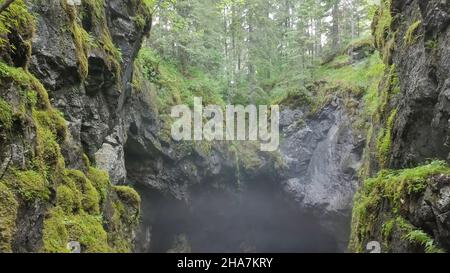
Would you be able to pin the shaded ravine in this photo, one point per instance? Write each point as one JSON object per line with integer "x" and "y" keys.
{"x": 259, "y": 219}
{"x": 304, "y": 207}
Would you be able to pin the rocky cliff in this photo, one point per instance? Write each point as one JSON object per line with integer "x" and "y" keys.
{"x": 80, "y": 118}
{"x": 406, "y": 208}
{"x": 66, "y": 96}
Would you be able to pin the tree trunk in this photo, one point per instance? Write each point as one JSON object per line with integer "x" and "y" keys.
{"x": 335, "y": 33}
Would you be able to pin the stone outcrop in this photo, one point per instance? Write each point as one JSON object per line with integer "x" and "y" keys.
{"x": 410, "y": 129}
{"x": 66, "y": 75}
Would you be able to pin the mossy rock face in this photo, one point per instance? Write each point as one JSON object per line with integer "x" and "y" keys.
{"x": 77, "y": 217}
{"x": 72, "y": 203}
{"x": 387, "y": 206}
{"x": 128, "y": 196}
{"x": 123, "y": 213}
{"x": 30, "y": 185}
{"x": 60, "y": 229}
{"x": 100, "y": 180}
{"x": 6, "y": 114}
{"x": 79, "y": 197}
{"x": 411, "y": 33}
{"x": 17, "y": 27}
{"x": 68, "y": 198}
{"x": 8, "y": 214}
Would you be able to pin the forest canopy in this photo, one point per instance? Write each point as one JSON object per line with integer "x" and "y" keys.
{"x": 255, "y": 51}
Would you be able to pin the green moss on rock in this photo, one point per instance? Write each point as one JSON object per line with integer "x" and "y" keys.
{"x": 80, "y": 38}
{"x": 61, "y": 228}
{"x": 89, "y": 232}
{"x": 382, "y": 23}
{"x": 385, "y": 139}
{"x": 411, "y": 33}
{"x": 6, "y": 114}
{"x": 30, "y": 185}
{"x": 91, "y": 198}
{"x": 100, "y": 180}
{"x": 16, "y": 18}
{"x": 55, "y": 236}
{"x": 125, "y": 214}
{"x": 68, "y": 198}
{"x": 8, "y": 215}
{"x": 75, "y": 211}
{"x": 128, "y": 195}
{"x": 99, "y": 38}
{"x": 393, "y": 187}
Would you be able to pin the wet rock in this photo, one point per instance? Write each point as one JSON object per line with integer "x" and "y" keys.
{"x": 323, "y": 156}
{"x": 443, "y": 203}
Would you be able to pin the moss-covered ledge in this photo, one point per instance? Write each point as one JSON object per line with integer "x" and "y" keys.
{"x": 383, "y": 209}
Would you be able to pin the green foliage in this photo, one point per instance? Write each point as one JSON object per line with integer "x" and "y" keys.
{"x": 410, "y": 35}
{"x": 48, "y": 150}
{"x": 104, "y": 42}
{"x": 293, "y": 99}
{"x": 54, "y": 235}
{"x": 75, "y": 210}
{"x": 382, "y": 23}
{"x": 91, "y": 198}
{"x": 100, "y": 38}
{"x": 100, "y": 180}
{"x": 80, "y": 37}
{"x": 387, "y": 229}
{"x": 257, "y": 51}
{"x": 341, "y": 77}
{"x": 76, "y": 216}
{"x": 128, "y": 195}
{"x": 68, "y": 198}
{"x": 89, "y": 232}
{"x": 247, "y": 155}
{"x": 394, "y": 187}
{"x": 374, "y": 74}
{"x": 383, "y": 35}
{"x": 174, "y": 86}
{"x": 363, "y": 219}
{"x": 29, "y": 184}
{"x": 389, "y": 87}
{"x": 124, "y": 218}
{"x": 81, "y": 40}
{"x": 360, "y": 43}
{"x": 114, "y": 54}
{"x": 395, "y": 184}
{"x": 26, "y": 81}
{"x": 8, "y": 215}
{"x": 432, "y": 44}
{"x": 384, "y": 140}
{"x": 417, "y": 236}
{"x": 17, "y": 19}
{"x": 6, "y": 114}
{"x": 349, "y": 77}
{"x": 53, "y": 121}
{"x": 61, "y": 228}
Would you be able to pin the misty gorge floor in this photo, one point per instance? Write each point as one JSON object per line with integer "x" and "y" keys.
{"x": 258, "y": 219}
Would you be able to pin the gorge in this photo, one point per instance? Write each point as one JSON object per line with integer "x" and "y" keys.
{"x": 86, "y": 152}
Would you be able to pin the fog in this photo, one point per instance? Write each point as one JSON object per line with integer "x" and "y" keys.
{"x": 258, "y": 218}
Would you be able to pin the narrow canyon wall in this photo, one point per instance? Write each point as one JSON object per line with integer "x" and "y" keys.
{"x": 407, "y": 210}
